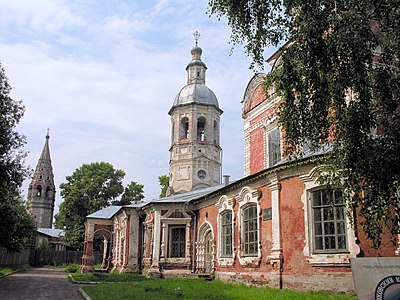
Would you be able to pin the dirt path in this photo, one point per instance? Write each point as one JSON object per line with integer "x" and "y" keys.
{"x": 39, "y": 283}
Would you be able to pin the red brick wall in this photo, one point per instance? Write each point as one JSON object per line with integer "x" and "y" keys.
{"x": 257, "y": 151}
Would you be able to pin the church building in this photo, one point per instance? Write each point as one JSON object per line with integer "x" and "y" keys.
{"x": 272, "y": 227}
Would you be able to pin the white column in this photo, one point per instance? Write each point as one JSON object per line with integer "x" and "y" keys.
{"x": 276, "y": 224}
{"x": 187, "y": 254}
{"x": 156, "y": 238}
{"x": 163, "y": 240}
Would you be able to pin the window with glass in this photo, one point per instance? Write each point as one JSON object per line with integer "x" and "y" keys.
{"x": 177, "y": 242}
{"x": 226, "y": 234}
{"x": 329, "y": 221}
{"x": 250, "y": 231}
{"x": 274, "y": 147}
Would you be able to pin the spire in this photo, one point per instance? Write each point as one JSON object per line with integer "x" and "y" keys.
{"x": 41, "y": 193}
{"x": 45, "y": 156}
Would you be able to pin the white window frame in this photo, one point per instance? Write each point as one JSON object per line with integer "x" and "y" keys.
{"x": 316, "y": 258}
{"x": 247, "y": 197}
{"x": 268, "y": 129}
{"x": 225, "y": 204}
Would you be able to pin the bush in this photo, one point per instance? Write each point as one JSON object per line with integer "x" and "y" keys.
{"x": 72, "y": 268}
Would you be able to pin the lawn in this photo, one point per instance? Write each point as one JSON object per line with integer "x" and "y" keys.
{"x": 195, "y": 289}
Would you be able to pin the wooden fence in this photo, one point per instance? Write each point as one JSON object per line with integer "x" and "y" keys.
{"x": 43, "y": 257}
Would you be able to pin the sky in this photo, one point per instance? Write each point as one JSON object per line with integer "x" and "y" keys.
{"x": 102, "y": 76}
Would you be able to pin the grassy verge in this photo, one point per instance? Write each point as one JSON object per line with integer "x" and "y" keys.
{"x": 197, "y": 289}
{"x": 8, "y": 270}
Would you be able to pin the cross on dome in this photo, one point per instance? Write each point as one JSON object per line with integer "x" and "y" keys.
{"x": 196, "y": 35}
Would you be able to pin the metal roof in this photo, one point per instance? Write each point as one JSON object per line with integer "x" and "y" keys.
{"x": 56, "y": 233}
{"x": 105, "y": 213}
{"x": 196, "y": 93}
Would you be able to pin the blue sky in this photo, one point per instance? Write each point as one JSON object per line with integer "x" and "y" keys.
{"x": 102, "y": 76}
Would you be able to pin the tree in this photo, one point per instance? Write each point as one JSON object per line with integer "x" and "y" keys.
{"x": 133, "y": 192}
{"x": 16, "y": 225}
{"x": 338, "y": 75}
{"x": 164, "y": 183}
{"x": 90, "y": 188}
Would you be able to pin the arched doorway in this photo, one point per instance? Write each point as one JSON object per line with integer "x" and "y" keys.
{"x": 205, "y": 250}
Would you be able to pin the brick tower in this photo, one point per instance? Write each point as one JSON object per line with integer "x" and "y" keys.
{"x": 42, "y": 192}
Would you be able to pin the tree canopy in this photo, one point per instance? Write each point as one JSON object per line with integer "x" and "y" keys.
{"x": 16, "y": 225}
{"x": 133, "y": 192}
{"x": 338, "y": 75}
{"x": 164, "y": 184}
{"x": 90, "y": 188}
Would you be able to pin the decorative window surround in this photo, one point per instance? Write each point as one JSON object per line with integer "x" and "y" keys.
{"x": 246, "y": 197}
{"x": 166, "y": 220}
{"x": 322, "y": 259}
{"x": 225, "y": 204}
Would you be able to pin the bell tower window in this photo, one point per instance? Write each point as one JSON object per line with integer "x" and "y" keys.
{"x": 201, "y": 124}
{"x": 216, "y": 135}
{"x": 39, "y": 191}
{"x": 184, "y": 128}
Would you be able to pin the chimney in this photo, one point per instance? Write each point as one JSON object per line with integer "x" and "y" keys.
{"x": 226, "y": 179}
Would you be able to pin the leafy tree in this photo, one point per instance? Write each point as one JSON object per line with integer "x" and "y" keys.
{"x": 338, "y": 75}
{"x": 90, "y": 188}
{"x": 133, "y": 192}
{"x": 16, "y": 225}
{"x": 164, "y": 183}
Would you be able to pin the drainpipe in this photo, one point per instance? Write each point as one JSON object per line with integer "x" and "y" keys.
{"x": 194, "y": 236}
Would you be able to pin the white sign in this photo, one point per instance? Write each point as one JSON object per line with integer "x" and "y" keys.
{"x": 376, "y": 278}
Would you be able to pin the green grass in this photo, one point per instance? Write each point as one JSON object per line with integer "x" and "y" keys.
{"x": 10, "y": 269}
{"x": 197, "y": 289}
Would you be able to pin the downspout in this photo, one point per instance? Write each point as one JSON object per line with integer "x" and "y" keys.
{"x": 194, "y": 237}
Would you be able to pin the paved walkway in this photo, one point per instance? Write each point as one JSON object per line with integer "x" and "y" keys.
{"x": 39, "y": 283}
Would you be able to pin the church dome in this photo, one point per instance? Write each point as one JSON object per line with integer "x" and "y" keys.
{"x": 196, "y": 93}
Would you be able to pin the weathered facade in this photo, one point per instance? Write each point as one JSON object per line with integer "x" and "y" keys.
{"x": 273, "y": 227}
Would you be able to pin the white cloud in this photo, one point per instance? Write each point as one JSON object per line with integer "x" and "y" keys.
{"x": 103, "y": 75}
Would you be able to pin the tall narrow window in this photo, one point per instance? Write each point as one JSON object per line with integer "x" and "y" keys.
{"x": 329, "y": 221}
{"x": 250, "y": 231}
{"x": 216, "y": 133}
{"x": 201, "y": 125}
{"x": 39, "y": 191}
{"x": 226, "y": 234}
{"x": 177, "y": 242}
{"x": 184, "y": 128}
{"x": 48, "y": 192}
{"x": 274, "y": 147}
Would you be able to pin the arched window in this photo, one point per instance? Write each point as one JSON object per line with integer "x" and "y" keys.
{"x": 39, "y": 191}
{"x": 184, "y": 128}
{"x": 48, "y": 192}
{"x": 201, "y": 125}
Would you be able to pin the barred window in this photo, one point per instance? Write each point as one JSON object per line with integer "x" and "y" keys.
{"x": 250, "y": 231}
{"x": 177, "y": 242}
{"x": 226, "y": 234}
{"x": 329, "y": 221}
